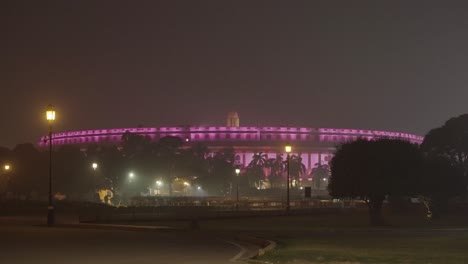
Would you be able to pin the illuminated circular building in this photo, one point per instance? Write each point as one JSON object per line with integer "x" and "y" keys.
{"x": 316, "y": 145}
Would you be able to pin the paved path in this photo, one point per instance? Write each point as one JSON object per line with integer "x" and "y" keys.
{"x": 24, "y": 243}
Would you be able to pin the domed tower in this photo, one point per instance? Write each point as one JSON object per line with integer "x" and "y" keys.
{"x": 232, "y": 119}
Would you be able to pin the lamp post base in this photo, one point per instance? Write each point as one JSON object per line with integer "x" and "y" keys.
{"x": 50, "y": 216}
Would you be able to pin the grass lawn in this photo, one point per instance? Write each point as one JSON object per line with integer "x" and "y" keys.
{"x": 370, "y": 246}
{"x": 347, "y": 238}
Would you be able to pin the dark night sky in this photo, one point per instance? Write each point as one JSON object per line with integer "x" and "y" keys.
{"x": 391, "y": 65}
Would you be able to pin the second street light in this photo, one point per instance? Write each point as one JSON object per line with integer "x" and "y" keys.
{"x": 288, "y": 149}
{"x": 237, "y": 188}
{"x": 50, "y": 116}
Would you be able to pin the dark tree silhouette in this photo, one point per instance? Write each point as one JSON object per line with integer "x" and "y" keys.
{"x": 450, "y": 141}
{"x": 254, "y": 170}
{"x": 296, "y": 168}
{"x": 320, "y": 175}
{"x": 276, "y": 167}
{"x": 371, "y": 170}
{"x": 221, "y": 172}
{"x": 29, "y": 171}
{"x": 439, "y": 181}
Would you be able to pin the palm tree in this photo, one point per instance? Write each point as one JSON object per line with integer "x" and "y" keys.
{"x": 276, "y": 167}
{"x": 296, "y": 168}
{"x": 255, "y": 168}
{"x": 320, "y": 174}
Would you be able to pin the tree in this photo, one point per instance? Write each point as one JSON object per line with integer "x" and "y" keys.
{"x": 221, "y": 172}
{"x": 29, "y": 170}
{"x": 72, "y": 176}
{"x": 296, "y": 168}
{"x": 439, "y": 181}
{"x": 320, "y": 175}
{"x": 372, "y": 170}
{"x": 169, "y": 150}
{"x": 450, "y": 141}
{"x": 255, "y": 172}
{"x": 276, "y": 167}
{"x": 112, "y": 167}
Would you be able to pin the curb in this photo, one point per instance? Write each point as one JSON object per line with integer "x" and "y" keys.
{"x": 264, "y": 245}
{"x": 113, "y": 227}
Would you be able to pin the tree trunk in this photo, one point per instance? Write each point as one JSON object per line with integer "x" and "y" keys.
{"x": 375, "y": 210}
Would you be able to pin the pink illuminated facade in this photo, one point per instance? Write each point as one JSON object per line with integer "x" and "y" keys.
{"x": 315, "y": 145}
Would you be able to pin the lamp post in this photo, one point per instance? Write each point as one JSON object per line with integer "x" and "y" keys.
{"x": 50, "y": 116}
{"x": 288, "y": 149}
{"x": 237, "y": 188}
{"x": 6, "y": 169}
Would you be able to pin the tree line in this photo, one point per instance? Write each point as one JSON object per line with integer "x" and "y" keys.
{"x": 139, "y": 165}
{"x": 374, "y": 170}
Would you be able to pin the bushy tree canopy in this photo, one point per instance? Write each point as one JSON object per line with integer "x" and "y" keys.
{"x": 371, "y": 170}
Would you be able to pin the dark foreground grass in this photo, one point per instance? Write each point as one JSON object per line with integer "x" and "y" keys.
{"x": 347, "y": 238}
{"x": 370, "y": 246}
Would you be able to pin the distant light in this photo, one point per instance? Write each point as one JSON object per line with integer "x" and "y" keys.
{"x": 187, "y": 139}
{"x": 301, "y": 187}
{"x": 95, "y": 165}
{"x": 7, "y": 167}
{"x": 324, "y": 179}
{"x": 198, "y": 188}
{"x": 131, "y": 175}
{"x": 237, "y": 171}
{"x": 288, "y": 148}
{"x": 159, "y": 183}
{"x": 186, "y": 183}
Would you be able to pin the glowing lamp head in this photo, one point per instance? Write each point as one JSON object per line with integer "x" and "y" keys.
{"x": 237, "y": 171}
{"x": 158, "y": 183}
{"x": 198, "y": 188}
{"x": 7, "y": 167}
{"x": 186, "y": 183}
{"x": 288, "y": 148}
{"x": 131, "y": 175}
{"x": 50, "y": 113}
{"x": 94, "y": 165}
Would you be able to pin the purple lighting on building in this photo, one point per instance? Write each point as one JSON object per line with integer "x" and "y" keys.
{"x": 227, "y": 134}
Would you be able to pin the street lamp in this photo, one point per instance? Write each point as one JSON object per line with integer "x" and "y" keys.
{"x": 288, "y": 149}
{"x": 50, "y": 116}
{"x": 6, "y": 167}
{"x": 94, "y": 165}
{"x": 237, "y": 188}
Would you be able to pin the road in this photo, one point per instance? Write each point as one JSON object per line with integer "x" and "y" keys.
{"x": 24, "y": 243}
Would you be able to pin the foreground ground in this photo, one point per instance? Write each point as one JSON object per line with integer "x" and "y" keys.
{"x": 25, "y": 243}
{"x": 317, "y": 238}
{"x": 348, "y": 239}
